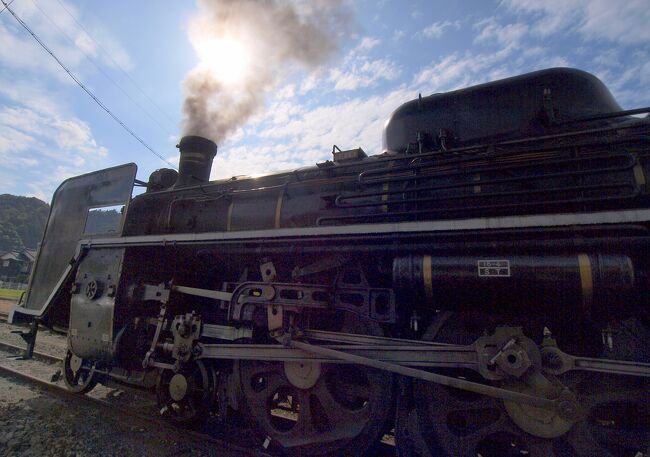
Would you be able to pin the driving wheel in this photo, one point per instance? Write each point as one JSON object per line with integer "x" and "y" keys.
{"x": 452, "y": 422}
{"x": 186, "y": 395}
{"x": 313, "y": 409}
{"x": 78, "y": 374}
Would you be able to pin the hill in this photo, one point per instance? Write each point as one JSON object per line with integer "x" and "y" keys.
{"x": 22, "y": 221}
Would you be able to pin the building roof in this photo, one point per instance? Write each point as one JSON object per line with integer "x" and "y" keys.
{"x": 11, "y": 255}
{"x": 24, "y": 255}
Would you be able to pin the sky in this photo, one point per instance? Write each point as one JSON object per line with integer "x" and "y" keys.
{"x": 134, "y": 56}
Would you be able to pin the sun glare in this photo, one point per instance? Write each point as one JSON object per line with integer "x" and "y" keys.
{"x": 227, "y": 58}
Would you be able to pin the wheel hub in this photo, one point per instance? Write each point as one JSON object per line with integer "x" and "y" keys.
{"x": 75, "y": 363}
{"x": 544, "y": 423}
{"x": 178, "y": 387}
{"x": 186, "y": 396}
{"x": 302, "y": 375}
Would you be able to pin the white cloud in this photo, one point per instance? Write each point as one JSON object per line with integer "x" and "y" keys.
{"x": 455, "y": 70}
{"x": 491, "y": 30}
{"x": 436, "y": 29}
{"x": 608, "y": 58}
{"x": 74, "y": 134}
{"x": 283, "y": 143}
{"x": 358, "y": 70}
{"x": 309, "y": 83}
{"x": 625, "y": 22}
{"x": 366, "y": 44}
{"x": 59, "y": 31}
{"x": 39, "y": 139}
{"x": 365, "y": 73}
{"x": 174, "y": 160}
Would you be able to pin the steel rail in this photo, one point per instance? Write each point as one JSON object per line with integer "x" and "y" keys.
{"x": 42, "y": 356}
{"x": 61, "y": 392}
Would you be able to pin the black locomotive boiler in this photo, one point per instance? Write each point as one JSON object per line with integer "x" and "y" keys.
{"x": 480, "y": 287}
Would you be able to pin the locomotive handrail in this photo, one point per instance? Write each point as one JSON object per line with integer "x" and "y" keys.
{"x": 512, "y": 166}
{"x": 544, "y": 203}
{"x": 527, "y": 140}
{"x": 626, "y": 166}
{"x": 362, "y": 178}
{"x": 597, "y": 117}
{"x": 634, "y": 192}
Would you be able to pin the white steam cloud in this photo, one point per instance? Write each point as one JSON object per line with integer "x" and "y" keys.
{"x": 246, "y": 47}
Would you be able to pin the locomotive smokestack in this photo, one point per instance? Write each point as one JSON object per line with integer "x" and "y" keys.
{"x": 195, "y": 162}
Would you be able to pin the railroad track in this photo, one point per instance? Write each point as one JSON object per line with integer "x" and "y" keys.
{"x": 41, "y": 356}
{"x": 61, "y": 392}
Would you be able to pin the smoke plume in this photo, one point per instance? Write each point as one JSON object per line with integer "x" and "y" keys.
{"x": 247, "y": 47}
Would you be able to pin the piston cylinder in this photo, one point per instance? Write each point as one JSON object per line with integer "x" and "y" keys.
{"x": 531, "y": 283}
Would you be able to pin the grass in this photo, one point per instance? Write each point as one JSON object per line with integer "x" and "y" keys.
{"x": 10, "y": 294}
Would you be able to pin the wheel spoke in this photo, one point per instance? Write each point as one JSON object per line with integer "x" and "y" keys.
{"x": 80, "y": 381}
{"x": 344, "y": 421}
{"x": 266, "y": 384}
{"x": 341, "y": 411}
{"x": 540, "y": 448}
{"x": 583, "y": 443}
{"x": 454, "y": 423}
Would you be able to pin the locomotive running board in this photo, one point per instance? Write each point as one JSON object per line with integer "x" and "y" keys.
{"x": 488, "y": 223}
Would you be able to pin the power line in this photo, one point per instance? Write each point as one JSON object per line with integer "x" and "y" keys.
{"x": 99, "y": 68}
{"x": 6, "y": 6}
{"x": 83, "y": 86}
{"x": 135, "y": 84}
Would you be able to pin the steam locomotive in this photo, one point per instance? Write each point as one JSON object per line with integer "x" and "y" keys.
{"x": 480, "y": 287}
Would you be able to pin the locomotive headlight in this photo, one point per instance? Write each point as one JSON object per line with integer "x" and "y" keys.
{"x": 227, "y": 58}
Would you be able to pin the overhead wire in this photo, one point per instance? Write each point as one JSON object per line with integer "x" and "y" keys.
{"x": 6, "y": 6}
{"x": 99, "y": 68}
{"x": 117, "y": 64}
{"x": 84, "y": 87}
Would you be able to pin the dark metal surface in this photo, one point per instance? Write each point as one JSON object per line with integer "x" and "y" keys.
{"x": 539, "y": 284}
{"x": 195, "y": 162}
{"x": 520, "y": 106}
{"x": 65, "y": 227}
{"x": 525, "y": 199}
{"x": 92, "y": 305}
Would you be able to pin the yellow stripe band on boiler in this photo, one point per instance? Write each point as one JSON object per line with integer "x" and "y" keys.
{"x": 426, "y": 275}
{"x": 229, "y": 218}
{"x": 477, "y": 187}
{"x": 384, "y": 197}
{"x": 586, "y": 279}
{"x": 278, "y": 208}
{"x": 639, "y": 176}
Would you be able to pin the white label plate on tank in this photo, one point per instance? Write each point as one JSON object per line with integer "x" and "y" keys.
{"x": 494, "y": 268}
